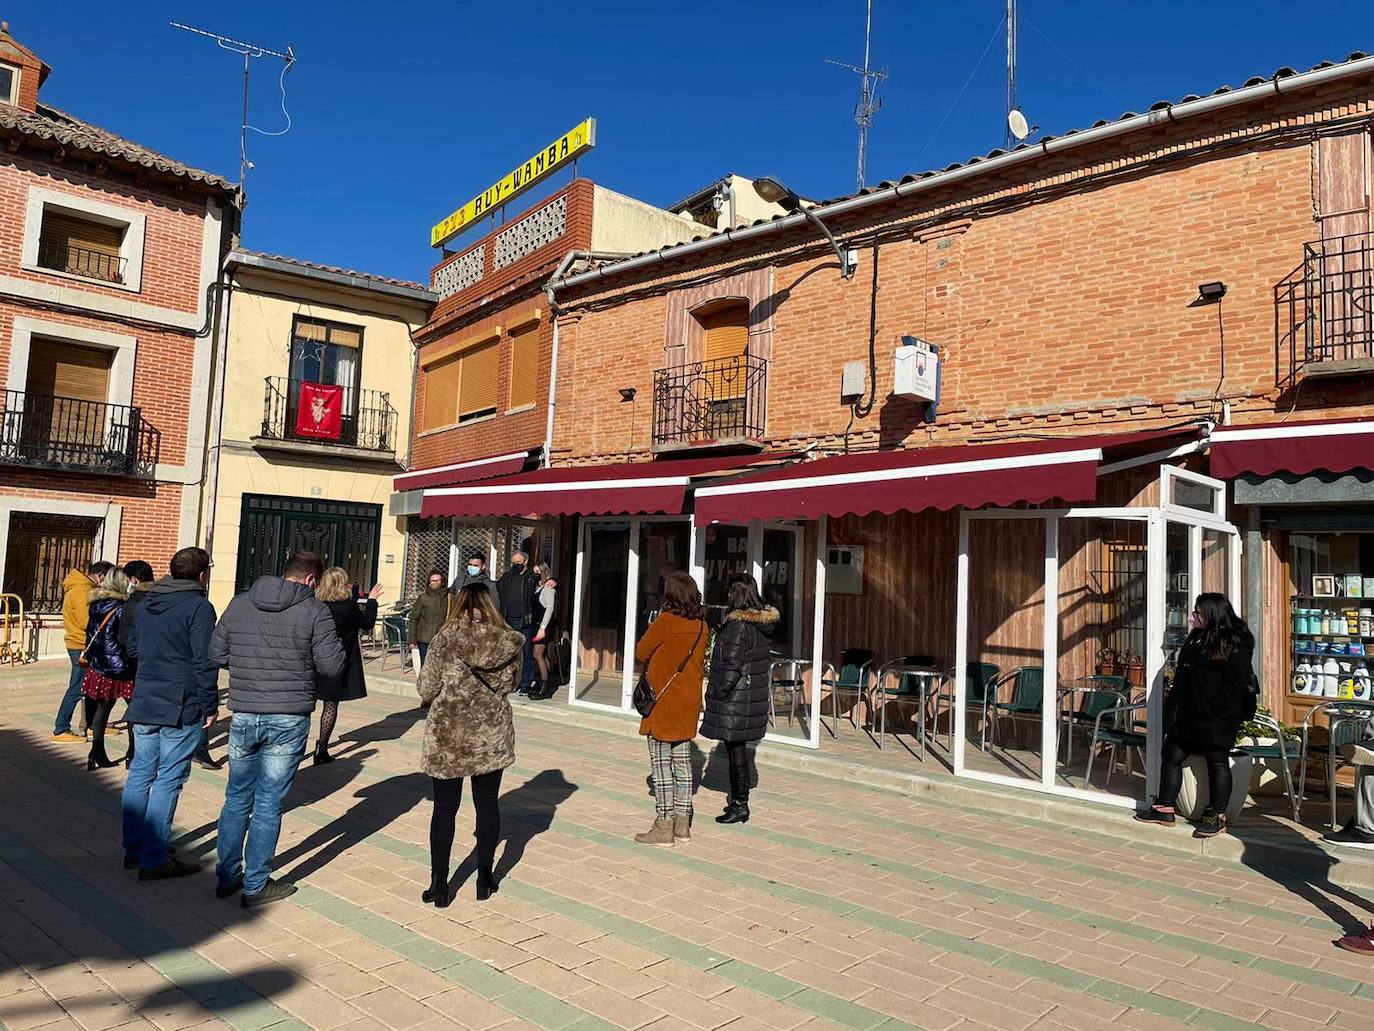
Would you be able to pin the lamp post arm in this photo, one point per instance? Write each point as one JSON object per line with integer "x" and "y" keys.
{"x": 846, "y": 269}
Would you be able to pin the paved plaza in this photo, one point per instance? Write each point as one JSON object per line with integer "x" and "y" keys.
{"x": 836, "y": 906}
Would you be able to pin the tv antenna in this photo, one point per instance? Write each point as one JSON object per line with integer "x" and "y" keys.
{"x": 869, "y": 104}
{"x": 1017, "y": 128}
{"x": 249, "y": 51}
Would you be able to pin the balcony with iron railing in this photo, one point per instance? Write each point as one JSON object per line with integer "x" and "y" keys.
{"x": 61, "y": 256}
{"x": 365, "y": 421}
{"x": 1324, "y": 312}
{"x": 48, "y": 432}
{"x": 717, "y": 403}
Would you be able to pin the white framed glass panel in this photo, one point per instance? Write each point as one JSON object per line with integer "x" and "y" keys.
{"x": 599, "y": 642}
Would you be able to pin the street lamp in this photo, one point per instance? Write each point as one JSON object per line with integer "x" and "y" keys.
{"x": 774, "y": 192}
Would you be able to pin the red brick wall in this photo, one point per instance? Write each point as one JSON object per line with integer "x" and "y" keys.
{"x": 1072, "y": 311}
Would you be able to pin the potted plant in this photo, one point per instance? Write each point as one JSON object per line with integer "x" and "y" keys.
{"x": 1106, "y": 662}
{"x": 1266, "y": 778}
{"x": 1192, "y": 792}
{"x": 1135, "y": 668}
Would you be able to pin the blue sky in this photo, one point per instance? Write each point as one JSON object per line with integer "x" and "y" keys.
{"x": 400, "y": 113}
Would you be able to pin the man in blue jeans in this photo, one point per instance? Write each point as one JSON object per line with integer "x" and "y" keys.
{"x": 76, "y": 596}
{"x": 175, "y": 697}
{"x": 275, "y": 639}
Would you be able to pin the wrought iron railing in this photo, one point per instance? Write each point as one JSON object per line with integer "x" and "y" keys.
{"x": 367, "y": 420}
{"x": 1324, "y": 308}
{"x": 717, "y": 401}
{"x": 67, "y": 433}
{"x": 79, "y": 261}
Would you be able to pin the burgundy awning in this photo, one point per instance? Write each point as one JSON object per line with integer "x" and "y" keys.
{"x": 1328, "y": 445}
{"x": 463, "y": 472}
{"x": 640, "y": 488}
{"x": 964, "y": 475}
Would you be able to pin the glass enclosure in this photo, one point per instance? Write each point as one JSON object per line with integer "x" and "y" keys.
{"x": 600, "y": 645}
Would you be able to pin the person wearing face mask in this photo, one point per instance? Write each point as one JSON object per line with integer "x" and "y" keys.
{"x": 430, "y": 611}
{"x": 475, "y": 572}
{"x": 517, "y": 593}
{"x": 1210, "y": 698}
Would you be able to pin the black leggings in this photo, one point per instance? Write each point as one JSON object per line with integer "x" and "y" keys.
{"x": 738, "y": 754}
{"x": 97, "y": 716}
{"x": 448, "y": 795}
{"x": 1175, "y": 753}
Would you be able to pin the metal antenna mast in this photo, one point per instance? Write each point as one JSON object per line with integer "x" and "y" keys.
{"x": 868, "y": 104}
{"x": 249, "y": 52}
{"x": 1009, "y": 138}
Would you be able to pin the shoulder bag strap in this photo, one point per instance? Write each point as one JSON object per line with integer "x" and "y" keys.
{"x": 103, "y": 623}
{"x": 685, "y": 659}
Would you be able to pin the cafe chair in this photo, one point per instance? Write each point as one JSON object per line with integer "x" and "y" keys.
{"x": 1118, "y": 733}
{"x": 396, "y": 636}
{"x": 1027, "y": 699}
{"x": 979, "y": 677}
{"x": 893, "y": 686}
{"x": 850, "y": 678}
{"x": 1106, "y": 691}
{"x": 786, "y": 676}
{"x": 1347, "y": 721}
{"x": 1278, "y": 750}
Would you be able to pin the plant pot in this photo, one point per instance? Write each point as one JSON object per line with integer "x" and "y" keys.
{"x": 1106, "y": 669}
{"x": 1135, "y": 675}
{"x": 1192, "y": 793}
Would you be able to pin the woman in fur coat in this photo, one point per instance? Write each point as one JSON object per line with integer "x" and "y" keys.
{"x": 109, "y": 670}
{"x": 472, "y": 667}
{"x": 737, "y": 691}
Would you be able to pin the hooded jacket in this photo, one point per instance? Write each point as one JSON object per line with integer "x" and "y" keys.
{"x": 76, "y": 594}
{"x": 275, "y": 639}
{"x": 103, "y": 651}
{"x": 129, "y": 615}
{"x": 737, "y": 692}
{"x": 470, "y": 729}
{"x": 176, "y": 683}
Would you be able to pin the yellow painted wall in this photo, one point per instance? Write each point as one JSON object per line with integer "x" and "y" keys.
{"x": 260, "y": 322}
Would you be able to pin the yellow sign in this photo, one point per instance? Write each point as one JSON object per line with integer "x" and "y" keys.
{"x": 573, "y": 143}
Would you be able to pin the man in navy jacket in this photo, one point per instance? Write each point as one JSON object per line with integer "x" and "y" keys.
{"x": 175, "y": 696}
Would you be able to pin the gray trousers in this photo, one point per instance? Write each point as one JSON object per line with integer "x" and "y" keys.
{"x": 1364, "y": 788}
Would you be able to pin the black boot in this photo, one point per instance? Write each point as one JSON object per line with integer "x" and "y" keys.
{"x": 437, "y": 892}
{"x": 736, "y": 812}
{"x": 486, "y": 883}
{"x": 322, "y": 755}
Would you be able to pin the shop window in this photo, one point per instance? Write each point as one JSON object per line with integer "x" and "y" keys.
{"x": 42, "y": 548}
{"x": 81, "y": 245}
{"x": 1332, "y": 614}
{"x": 524, "y": 367}
{"x": 9, "y": 84}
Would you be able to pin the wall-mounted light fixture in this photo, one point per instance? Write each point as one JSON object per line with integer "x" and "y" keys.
{"x": 1210, "y": 293}
{"x": 628, "y": 393}
{"x": 774, "y": 192}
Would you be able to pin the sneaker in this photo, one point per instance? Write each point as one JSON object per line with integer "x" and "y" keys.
{"x": 1209, "y": 826}
{"x": 272, "y": 891}
{"x": 171, "y": 868}
{"x": 131, "y": 858}
{"x": 1350, "y": 836}
{"x": 1362, "y": 943}
{"x": 659, "y": 835}
{"x": 1155, "y": 816}
{"x": 68, "y": 738}
{"x": 224, "y": 891}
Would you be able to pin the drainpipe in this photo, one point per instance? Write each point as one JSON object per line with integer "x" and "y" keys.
{"x": 549, "y": 290}
{"x": 217, "y": 414}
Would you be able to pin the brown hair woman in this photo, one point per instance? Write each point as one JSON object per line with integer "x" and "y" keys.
{"x": 674, "y": 648}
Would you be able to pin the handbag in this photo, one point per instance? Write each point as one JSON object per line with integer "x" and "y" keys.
{"x": 644, "y": 698}
{"x": 81, "y": 659}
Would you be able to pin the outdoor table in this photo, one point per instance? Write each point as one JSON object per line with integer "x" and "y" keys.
{"x": 929, "y": 679}
{"x": 1082, "y": 685}
{"x": 1340, "y": 713}
{"x": 793, "y": 690}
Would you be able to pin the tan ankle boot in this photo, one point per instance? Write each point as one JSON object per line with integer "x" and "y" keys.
{"x": 660, "y": 834}
{"x": 682, "y": 829}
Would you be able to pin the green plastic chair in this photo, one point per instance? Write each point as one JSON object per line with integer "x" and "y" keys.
{"x": 396, "y": 634}
{"x": 979, "y": 681}
{"x": 850, "y": 678}
{"x": 1027, "y": 700}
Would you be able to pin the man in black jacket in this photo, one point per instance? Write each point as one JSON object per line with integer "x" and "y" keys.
{"x": 174, "y": 698}
{"x": 516, "y": 592}
{"x": 274, "y": 639}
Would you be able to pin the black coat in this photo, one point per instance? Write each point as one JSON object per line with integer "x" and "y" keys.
{"x": 104, "y": 654}
{"x": 737, "y": 689}
{"x": 517, "y": 592}
{"x": 349, "y": 618}
{"x": 1210, "y": 697}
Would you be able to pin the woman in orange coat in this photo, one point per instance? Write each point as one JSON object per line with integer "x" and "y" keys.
{"x": 674, "y": 647}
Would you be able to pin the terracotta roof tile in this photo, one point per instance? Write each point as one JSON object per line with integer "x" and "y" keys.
{"x": 406, "y": 283}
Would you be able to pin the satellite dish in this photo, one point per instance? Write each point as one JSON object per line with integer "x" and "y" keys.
{"x": 1016, "y": 122}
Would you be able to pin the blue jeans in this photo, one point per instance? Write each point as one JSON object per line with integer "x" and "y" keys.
{"x": 162, "y": 762}
{"x": 264, "y": 752}
{"x": 527, "y": 663}
{"x": 67, "y": 709}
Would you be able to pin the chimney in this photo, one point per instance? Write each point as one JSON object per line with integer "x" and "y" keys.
{"x": 22, "y": 73}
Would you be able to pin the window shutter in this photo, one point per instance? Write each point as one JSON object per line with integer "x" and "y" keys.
{"x": 80, "y": 232}
{"x": 441, "y": 394}
{"x": 524, "y": 367}
{"x": 313, "y": 331}
{"x": 480, "y": 379}
{"x": 726, "y": 331}
{"x": 67, "y": 370}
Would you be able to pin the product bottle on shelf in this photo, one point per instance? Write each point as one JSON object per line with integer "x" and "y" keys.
{"x": 1302, "y": 677}
{"x": 1364, "y": 689}
{"x": 1331, "y": 675}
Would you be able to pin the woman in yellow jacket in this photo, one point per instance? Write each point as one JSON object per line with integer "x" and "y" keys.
{"x": 76, "y": 598}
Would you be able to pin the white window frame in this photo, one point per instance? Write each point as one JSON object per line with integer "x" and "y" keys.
{"x": 13, "y": 98}
{"x": 134, "y": 223}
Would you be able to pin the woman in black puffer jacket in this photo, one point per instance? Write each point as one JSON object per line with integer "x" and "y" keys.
{"x": 109, "y": 671}
{"x": 737, "y": 690}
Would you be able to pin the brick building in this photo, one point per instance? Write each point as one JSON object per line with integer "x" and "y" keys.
{"x": 485, "y": 359}
{"x": 108, "y": 256}
{"x": 1154, "y": 345}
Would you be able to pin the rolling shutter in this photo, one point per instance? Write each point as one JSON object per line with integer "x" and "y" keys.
{"x": 524, "y": 367}
{"x": 727, "y": 333}
{"x": 480, "y": 379}
{"x": 441, "y": 393}
{"x": 66, "y": 370}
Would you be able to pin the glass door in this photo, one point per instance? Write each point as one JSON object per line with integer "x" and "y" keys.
{"x": 599, "y": 647}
